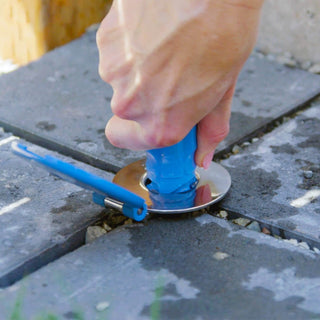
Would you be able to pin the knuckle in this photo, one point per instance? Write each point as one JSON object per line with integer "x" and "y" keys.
{"x": 220, "y": 133}
{"x": 128, "y": 105}
{"x": 122, "y": 107}
{"x": 121, "y": 111}
{"x": 104, "y": 75}
{"x": 114, "y": 68}
{"x": 213, "y": 134}
{"x": 100, "y": 35}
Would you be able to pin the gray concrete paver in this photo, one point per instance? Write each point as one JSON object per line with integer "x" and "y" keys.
{"x": 60, "y": 102}
{"x": 200, "y": 268}
{"x": 41, "y": 216}
{"x": 277, "y": 179}
{"x": 266, "y": 91}
{"x": 204, "y": 268}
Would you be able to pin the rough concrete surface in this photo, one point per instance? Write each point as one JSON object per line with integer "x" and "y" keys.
{"x": 264, "y": 92}
{"x": 41, "y": 216}
{"x": 277, "y": 179}
{"x": 172, "y": 269}
{"x": 203, "y": 268}
{"x": 291, "y": 26}
{"x": 60, "y": 102}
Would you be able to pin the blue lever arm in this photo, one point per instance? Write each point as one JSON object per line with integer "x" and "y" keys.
{"x": 134, "y": 206}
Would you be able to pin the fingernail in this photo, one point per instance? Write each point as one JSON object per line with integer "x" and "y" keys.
{"x": 207, "y": 160}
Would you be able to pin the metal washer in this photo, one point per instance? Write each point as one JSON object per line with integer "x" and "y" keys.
{"x": 213, "y": 185}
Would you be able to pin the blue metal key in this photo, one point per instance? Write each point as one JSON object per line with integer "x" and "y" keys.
{"x": 132, "y": 205}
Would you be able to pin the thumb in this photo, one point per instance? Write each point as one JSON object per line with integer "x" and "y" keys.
{"x": 212, "y": 129}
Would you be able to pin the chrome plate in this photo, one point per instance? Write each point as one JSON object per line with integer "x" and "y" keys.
{"x": 213, "y": 185}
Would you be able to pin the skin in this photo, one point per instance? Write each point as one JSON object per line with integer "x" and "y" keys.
{"x": 174, "y": 64}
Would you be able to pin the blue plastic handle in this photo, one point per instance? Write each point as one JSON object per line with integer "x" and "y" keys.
{"x": 172, "y": 169}
{"x": 133, "y": 206}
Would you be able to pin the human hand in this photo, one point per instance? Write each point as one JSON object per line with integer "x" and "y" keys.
{"x": 172, "y": 65}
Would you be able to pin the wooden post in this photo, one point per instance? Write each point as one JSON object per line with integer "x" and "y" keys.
{"x": 29, "y": 28}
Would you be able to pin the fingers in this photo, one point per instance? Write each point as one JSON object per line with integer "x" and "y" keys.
{"x": 152, "y": 131}
{"x": 149, "y": 133}
{"x": 129, "y": 134}
{"x": 125, "y": 134}
{"x": 212, "y": 129}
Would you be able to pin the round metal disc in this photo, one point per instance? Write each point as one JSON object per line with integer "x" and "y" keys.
{"x": 213, "y": 184}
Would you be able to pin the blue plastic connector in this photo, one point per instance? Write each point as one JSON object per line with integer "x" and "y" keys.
{"x": 171, "y": 173}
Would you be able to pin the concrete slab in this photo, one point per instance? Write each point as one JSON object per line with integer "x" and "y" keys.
{"x": 266, "y": 91}
{"x": 277, "y": 179}
{"x": 174, "y": 269}
{"x": 41, "y": 216}
{"x": 286, "y": 23}
{"x": 60, "y": 102}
